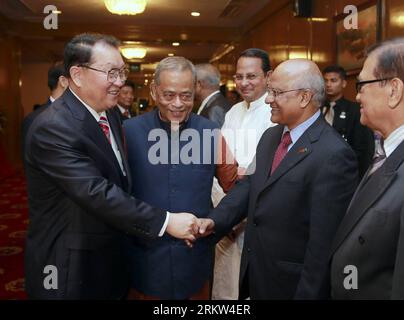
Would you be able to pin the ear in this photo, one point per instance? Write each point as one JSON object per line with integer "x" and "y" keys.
{"x": 63, "y": 82}
{"x": 344, "y": 83}
{"x": 76, "y": 74}
{"x": 153, "y": 91}
{"x": 306, "y": 97}
{"x": 396, "y": 92}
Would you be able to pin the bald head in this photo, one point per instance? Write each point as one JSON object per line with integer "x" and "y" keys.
{"x": 208, "y": 80}
{"x": 295, "y": 92}
{"x": 303, "y": 73}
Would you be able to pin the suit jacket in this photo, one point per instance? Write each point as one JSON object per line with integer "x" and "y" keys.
{"x": 360, "y": 138}
{"x": 121, "y": 115}
{"x": 28, "y": 120}
{"x": 78, "y": 205}
{"x": 293, "y": 214}
{"x": 371, "y": 236}
{"x": 216, "y": 108}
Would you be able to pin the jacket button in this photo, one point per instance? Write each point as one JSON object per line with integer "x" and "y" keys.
{"x": 248, "y": 250}
{"x": 361, "y": 240}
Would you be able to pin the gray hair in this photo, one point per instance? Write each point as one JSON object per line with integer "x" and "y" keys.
{"x": 208, "y": 74}
{"x": 174, "y": 63}
{"x": 314, "y": 82}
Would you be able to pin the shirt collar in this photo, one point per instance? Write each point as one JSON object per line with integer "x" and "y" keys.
{"x": 393, "y": 140}
{"x": 297, "y": 132}
{"x": 94, "y": 113}
{"x": 51, "y": 99}
{"x": 205, "y": 101}
{"x": 122, "y": 109}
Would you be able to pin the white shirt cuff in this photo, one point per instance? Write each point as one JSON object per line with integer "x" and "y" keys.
{"x": 163, "y": 229}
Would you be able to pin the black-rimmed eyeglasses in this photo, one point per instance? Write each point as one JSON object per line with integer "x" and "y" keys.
{"x": 360, "y": 84}
{"x": 113, "y": 74}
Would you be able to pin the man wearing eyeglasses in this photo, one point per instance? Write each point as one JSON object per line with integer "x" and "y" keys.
{"x": 304, "y": 179}
{"x": 368, "y": 250}
{"x": 78, "y": 183}
{"x": 344, "y": 116}
{"x": 244, "y": 125}
{"x": 173, "y": 153}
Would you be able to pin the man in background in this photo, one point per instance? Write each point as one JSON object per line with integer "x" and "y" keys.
{"x": 344, "y": 116}
{"x": 213, "y": 104}
{"x": 57, "y": 83}
{"x": 125, "y": 100}
{"x": 243, "y": 127}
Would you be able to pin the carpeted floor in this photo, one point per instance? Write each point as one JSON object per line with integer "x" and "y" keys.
{"x": 13, "y": 226}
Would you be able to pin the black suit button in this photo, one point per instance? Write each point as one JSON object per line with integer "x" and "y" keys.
{"x": 361, "y": 240}
{"x": 248, "y": 250}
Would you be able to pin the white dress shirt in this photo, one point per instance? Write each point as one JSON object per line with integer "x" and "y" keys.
{"x": 244, "y": 126}
{"x": 205, "y": 101}
{"x": 122, "y": 109}
{"x": 393, "y": 140}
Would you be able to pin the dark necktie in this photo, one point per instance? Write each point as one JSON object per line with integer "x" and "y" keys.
{"x": 281, "y": 150}
{"x": 126, "y": 113}
{"x": 379, "y": 156}
{"x": 103, "y": 122}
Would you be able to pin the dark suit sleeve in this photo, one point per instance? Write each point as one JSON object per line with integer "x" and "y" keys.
{"x": 60, "y": 154}
{"x": 397, "y": 292}
{"x": 332, "y": 190}
{"x": 232, "y": 209}
{"x": 217, "y": 114}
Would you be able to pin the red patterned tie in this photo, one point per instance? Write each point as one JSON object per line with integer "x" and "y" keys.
{"x": 281, "y": 150}
{"x": 126, "y": 113}
{"x": 105, "y": 127}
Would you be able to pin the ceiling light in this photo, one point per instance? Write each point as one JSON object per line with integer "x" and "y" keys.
{"x": 130, "y": 52}
{"x": 171, "y": 54}
{"x": 176, "y": 44}
{"x": 125, "y": 6}
{"x": 195, "y": 14}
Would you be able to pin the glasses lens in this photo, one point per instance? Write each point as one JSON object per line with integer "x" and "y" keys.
{"x": 123, "y": 74}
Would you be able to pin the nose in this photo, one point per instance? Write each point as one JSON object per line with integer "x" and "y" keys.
{"x": 358, "y": 97}
{"x": 269, "y": 99}
{"x": 177, "y": 102}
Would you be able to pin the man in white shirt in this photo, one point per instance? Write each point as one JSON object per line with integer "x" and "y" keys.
{"x": 243, "y": 127}
{"x": 368, "y": 249}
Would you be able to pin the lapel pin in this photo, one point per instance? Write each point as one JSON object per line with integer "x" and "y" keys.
{"x": 302, "y": 150}
{"x": 342, "y": 115}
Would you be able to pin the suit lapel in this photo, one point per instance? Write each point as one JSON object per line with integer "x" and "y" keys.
{"x": 368, "y": 192}
{"x": 117, "y": 131}
{"x": 90, "y": 126}
{"x": 300, "y": 150}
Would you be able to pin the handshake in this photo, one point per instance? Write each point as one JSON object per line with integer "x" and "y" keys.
{"x": 188, "y": 227}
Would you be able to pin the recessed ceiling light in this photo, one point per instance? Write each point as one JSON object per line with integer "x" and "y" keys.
{"x": 176, "y": 44}
{"x": 171, "y": 54}
{"x": 195, "y": 14}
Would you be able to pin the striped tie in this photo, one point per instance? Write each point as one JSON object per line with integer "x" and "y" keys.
{"x": 103, "y": 122}
{"x": 379, "y": 156}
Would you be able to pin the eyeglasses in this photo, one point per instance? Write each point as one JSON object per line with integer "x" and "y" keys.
{"x": 248, "y": 76}
{"x": 113, "y": 74}
{"x": 169, "y": 96}
{"x": 360, "y": 84}
{"x": 274, "y": 93}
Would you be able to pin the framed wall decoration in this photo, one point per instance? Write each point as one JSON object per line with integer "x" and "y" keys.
{"x": 352, "y": 43}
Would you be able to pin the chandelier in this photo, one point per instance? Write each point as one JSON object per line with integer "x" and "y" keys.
{"x": 125, "y": 6}
{"x": 130, "y": 52}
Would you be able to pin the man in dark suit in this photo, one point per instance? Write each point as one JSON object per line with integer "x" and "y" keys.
{"x": 304, "y": 177}
{"x": 368, "y": 250}
{"x": 344, "y": 116}
{"x": 78, "y": 179}
{"x": 213, "y": 104}
{"x": 125, "y": 100}
{"x": 57, "y": 83}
